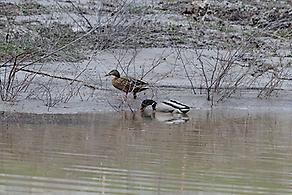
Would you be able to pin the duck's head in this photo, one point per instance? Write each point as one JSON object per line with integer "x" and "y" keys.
{"x": 113, "y": 73}
{"x": 146, "y": 103}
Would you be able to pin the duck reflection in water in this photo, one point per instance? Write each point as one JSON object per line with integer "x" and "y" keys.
{"x": 170, "y": 111}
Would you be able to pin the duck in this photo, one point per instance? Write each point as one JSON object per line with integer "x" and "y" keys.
{"x": 168, "y": 112}
{"x": 127, "y": 84}
{"x": 167, "y": 106}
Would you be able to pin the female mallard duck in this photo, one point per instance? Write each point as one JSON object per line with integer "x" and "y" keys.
{"x": 169, "y": 112}
{"x": 169, "y": 106}
{"x": 127, "y": 84}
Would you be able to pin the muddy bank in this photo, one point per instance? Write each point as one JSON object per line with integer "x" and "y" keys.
{"x": 168, "y": 79}
{"x": 264, "y": 25}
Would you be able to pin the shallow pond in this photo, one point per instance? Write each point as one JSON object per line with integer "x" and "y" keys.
{"x": 214, "y": 152}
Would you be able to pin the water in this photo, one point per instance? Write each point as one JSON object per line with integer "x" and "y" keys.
{"x": 219, "y": 152}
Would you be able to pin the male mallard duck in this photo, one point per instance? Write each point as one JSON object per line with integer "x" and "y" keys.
{"x": 127, "y": 84}
{"x": 169, "y": 112}
{"x": 169, "y": 106}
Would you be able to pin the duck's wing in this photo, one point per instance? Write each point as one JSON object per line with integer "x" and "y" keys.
{"x": 122, "y": 83}
{"x": 136, "y": 82}
{"x": 177, "y": 106}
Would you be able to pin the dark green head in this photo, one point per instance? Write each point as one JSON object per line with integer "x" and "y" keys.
{"x": 114, "y": 73}
{"x": 148, "y": 102}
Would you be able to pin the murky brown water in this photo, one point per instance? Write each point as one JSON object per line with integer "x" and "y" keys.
{"x": 118, "y": 153}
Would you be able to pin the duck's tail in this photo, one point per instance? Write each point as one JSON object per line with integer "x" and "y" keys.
{"x": 178, "y": 106}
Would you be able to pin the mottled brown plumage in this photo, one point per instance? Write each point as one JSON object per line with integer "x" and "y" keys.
{"x": 127, "y": 84}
